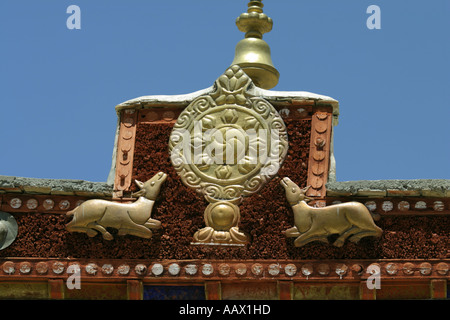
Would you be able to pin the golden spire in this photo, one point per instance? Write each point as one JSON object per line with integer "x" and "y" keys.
{"x": 252, "y": 53}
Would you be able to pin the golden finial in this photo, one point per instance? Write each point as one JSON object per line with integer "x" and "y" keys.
{"x": 252, "y": 53}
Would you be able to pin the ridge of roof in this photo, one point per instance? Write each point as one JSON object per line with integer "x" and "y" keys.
{"x": 54, "y": 186}
{"x": 394, "y": 187}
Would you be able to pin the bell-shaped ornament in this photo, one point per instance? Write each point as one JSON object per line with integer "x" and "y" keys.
{"x": 252, "y": 54}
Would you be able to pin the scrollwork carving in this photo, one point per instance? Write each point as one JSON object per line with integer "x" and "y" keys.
{"x": 228, "y": 144}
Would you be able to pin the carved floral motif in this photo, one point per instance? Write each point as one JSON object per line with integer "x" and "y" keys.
{"x": 227, "y": 145}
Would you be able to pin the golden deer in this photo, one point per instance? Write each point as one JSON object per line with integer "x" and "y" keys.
{"x": 95, "y": 215}
{"x": 349, "y": 220}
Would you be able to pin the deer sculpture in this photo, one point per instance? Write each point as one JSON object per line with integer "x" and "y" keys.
{"x": 349, "y": 220}
{"x": 95, "y": 215}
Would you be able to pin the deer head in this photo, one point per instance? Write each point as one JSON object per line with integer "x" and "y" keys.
{"x": 150, "y": 189}
{"x": 293, "y": 192}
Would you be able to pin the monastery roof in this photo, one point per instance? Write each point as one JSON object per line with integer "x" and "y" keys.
{"x": 388, "y": 188}
{"x": 377, "y": 188}
{"x": 54, "y": 186}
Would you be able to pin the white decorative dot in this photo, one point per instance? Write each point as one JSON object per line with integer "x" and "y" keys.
{"x": 371, "y": 205}
{"x": 341, "y": 270}
{"x": 58, "y": 267}
{"x": 174, "y": 269}
{"x": 191, "y": 269}
{"x": 290, "y": 269}
{"x": 420, "y": 205}
{"x": 425, "y": 268}
{"x": 123, "y": 269}
{"x": 207, "y": 269}
{"x": 387, "y": 206}
{"x": 224, "y": 269}
{"x": 74, "y": 268}
{"x": 274, "y": 269}
{"x": 107, "y": 269}
{"x": 91, "y": 268}
{"x": 140, "y": 269}
{"x": 9, "y": 267}
{"x": 408, "y": 269}
{"x": 241, "y": 269}
{"x": 157, "y": 269}
{"x": 64, "y": 204}
{"x": 48, "y": 204}
{"x": 392, "y": 268}
{"x": 307, "y": 270}
{"x": 25, "y": 267}
{"x": 438, "y": 206}
{"x": 15, "y": 203}
{"x": 442, "y": 268}
{"x": 403, "y": 205}
{"x": 41, "y": 267}
{"x": 32, "y": 204}
{"x": 257, "y": 269}
{"x": 323, "y": 269}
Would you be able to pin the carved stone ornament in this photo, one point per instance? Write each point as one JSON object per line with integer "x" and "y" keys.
{"x": 96, "y": 215}
{"x": 349, "y": 220}
{"x": 227, "y": 145}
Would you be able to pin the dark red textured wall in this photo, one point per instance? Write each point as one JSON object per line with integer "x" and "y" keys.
{"x": 44, "y": 235}
{"x": 264, "y": 216}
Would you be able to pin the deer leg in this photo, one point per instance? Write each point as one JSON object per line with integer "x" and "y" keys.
{"x": 340, "y": 241}
{"x": 313, "y": 234}
{"x": 137, "y": 233}
{"x": 307, "y": 238}
{"x": 90, "y": 232}
{"x": 152, "y": 224}
{"x": 136, "y": 230}
{"x": 106, "y": 235}
{"x": 362, "y": 234}
{"x": 292, "y": 232}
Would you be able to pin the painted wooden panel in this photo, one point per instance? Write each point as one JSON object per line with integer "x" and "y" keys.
{"x": 249, "y": 291}
{"x": 24, "y": 290}
{"x": 98, "y": 291}
{"x": 407, "y": 290}
{"x": 157, "y": 292}
{"x": 304, "y": 291}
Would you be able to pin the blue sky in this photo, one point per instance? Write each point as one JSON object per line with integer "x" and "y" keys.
{"x": 59, "y": 87}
